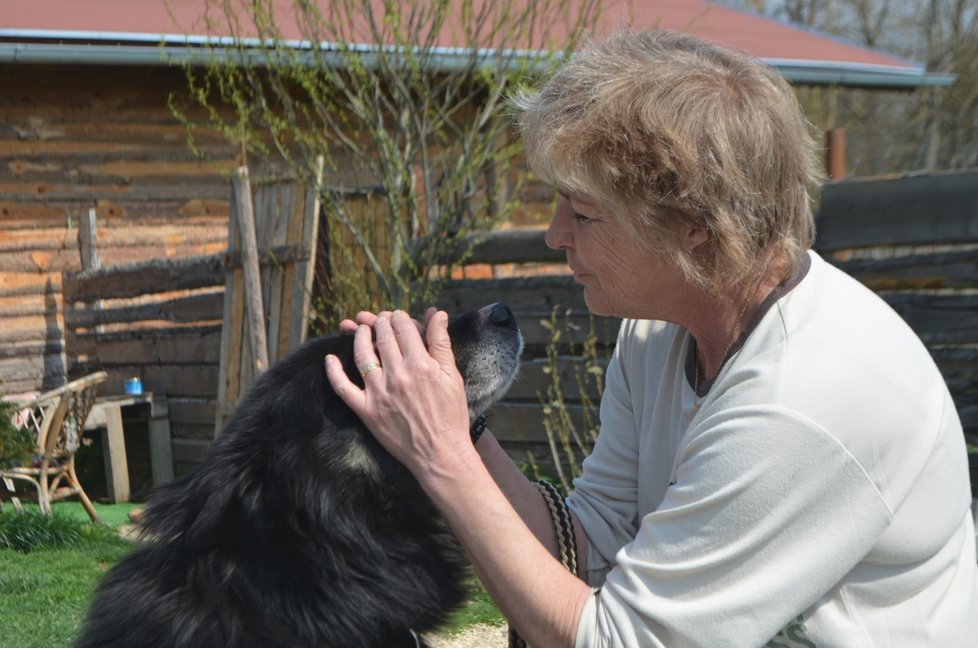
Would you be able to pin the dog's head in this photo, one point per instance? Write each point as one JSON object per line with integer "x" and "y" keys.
{"x": 291, "y": 408}
{"x": 487, "y": 346}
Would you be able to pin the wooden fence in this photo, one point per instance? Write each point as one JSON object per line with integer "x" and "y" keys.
{"x": 157, "y": 320}
{"x": 73, "y": 137}
{"x": 914, "y": 240}
{"x": 178, "y": 325}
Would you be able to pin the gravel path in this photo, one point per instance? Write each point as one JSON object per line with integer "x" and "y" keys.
{"x": 477, "y": 636}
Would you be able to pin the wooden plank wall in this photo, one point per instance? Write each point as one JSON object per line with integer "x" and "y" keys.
{"x": 78, "y": 137}
{"x": 160, "y": 321}
{"x": 914, "y": 240}
{"x": 286, "y": 218}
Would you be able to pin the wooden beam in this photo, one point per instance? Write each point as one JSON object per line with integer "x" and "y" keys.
{"x": 149, "y": 277}
{"x": 116, "y": 465}
{"x": 931, "y": 271}
{"x": 252, "y": 269}
{"x": 835, "y": 153}
{"x": 88, "y": 240}
{"x": 933, "y": 209}
{"x": 508, "y": 246}
{"x": 191, "y": 308}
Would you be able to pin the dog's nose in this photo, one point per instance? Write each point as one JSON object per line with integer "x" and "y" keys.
{"x": 500, "y": 315}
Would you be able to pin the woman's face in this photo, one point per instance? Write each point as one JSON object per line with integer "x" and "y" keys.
{"x": 620, "y": 276}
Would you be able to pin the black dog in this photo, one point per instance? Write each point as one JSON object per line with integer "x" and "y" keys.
{"x": 299, "y": 530}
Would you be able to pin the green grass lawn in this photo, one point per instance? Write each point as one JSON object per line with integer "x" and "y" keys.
{"x": 44, "y": 593}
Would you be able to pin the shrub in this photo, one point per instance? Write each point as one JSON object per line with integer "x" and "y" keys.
{"x": 16, "y": 444}
{"x": 572, "y": 427}
{"x": 32, "y": 530}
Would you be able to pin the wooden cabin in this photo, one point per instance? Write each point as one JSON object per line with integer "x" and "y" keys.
{"x": 85, "y": 124}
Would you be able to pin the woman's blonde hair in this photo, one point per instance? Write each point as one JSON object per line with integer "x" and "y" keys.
{"x": 670, "y": 131}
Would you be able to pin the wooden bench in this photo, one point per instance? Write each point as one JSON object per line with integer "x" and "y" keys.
{"x": 108, "y": 413}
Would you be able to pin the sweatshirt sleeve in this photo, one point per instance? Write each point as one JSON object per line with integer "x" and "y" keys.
{"x": 605, "y": 498}
{"x": 768, "y": 512}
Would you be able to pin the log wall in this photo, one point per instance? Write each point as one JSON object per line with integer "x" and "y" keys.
{"x": 75, "y": 137}
{"x": 79, "y": 137}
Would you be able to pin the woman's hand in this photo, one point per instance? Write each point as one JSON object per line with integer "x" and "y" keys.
{"x": 415, "y": 405}
{"x": 414, "y": 401}
{"x": 367, "y": 318}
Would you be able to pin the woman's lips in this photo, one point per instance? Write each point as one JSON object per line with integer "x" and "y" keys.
{"x": 578, "y": 274}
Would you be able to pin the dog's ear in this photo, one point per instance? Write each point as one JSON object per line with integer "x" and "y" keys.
{"x": 223, "y": 518}
{"x": 200, "y": 510}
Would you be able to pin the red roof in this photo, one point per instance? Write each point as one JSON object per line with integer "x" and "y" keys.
{"x": 780, "y": 43}
{"x": 762, "y": 37}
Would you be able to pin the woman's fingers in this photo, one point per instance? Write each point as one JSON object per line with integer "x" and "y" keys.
{"x": 407, "y": 334}
{"x": 439, "y": 344}
{"x": 388, "y": 348}
{"x": 367, "y": 318}
{"x": 366, "y": 362}
{"x": 363, "y": 317}
{"x": 392, "y": 341}
{"x": 354, "y": 397}
{"x": 364, "y": 357}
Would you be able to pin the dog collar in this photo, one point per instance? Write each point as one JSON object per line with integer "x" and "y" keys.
{"x": 478, "y": 428}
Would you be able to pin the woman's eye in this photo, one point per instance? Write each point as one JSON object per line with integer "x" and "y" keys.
{"x": 581, "y": 218}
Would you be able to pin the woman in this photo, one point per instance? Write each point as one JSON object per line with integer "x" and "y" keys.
{"x": 779, "y": 461}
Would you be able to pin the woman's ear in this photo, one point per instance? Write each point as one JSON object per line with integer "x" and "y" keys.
{"x": 694, "y": 237}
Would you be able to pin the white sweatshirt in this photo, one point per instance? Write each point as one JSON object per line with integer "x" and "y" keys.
{"x": 817, "y": 495}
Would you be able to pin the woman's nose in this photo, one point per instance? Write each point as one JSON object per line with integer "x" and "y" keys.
{"x": 558, "y": 235}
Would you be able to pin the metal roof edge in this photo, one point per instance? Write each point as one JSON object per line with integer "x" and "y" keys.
{"x": 864, "y": 76}
{"x": 177, "y": 41}
{"x": 118, "y": 48}
{"x": 86, "y": 35}
{"x": 89, "y": 54}
{"x": 169, "y": 49}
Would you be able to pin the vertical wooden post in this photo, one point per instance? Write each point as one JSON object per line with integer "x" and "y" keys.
{"x": 835, "y": 153}
{"x": 88, "y": 240}
{"x": 160, "y": 444}
{"x": 88, "y": 250}
{"x": 251, "y": 268}
{"x": 116, "y": 463}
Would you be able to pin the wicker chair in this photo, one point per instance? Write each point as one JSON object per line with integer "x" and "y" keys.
{"x": 57, "y": 419}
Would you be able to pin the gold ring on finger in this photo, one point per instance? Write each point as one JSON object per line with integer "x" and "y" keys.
{"x": 367, "y": 368}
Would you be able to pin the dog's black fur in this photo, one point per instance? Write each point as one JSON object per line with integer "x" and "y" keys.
{"x": 299, "y": 530}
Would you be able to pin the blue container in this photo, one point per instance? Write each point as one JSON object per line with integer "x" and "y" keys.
{"x": 134, "y": 386}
